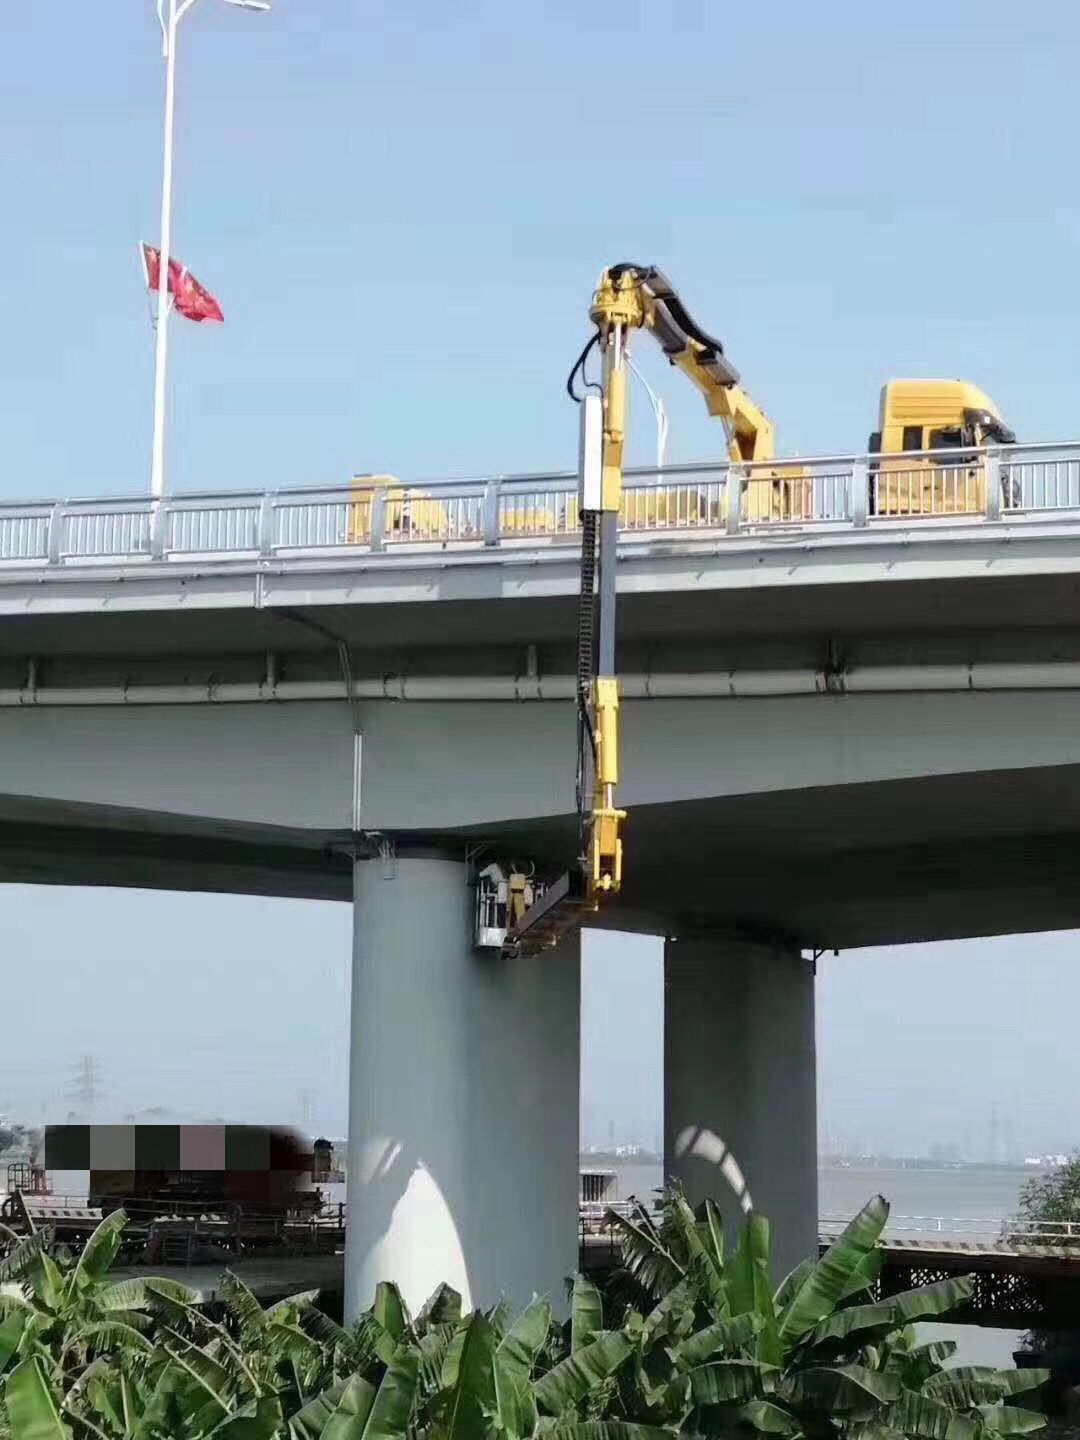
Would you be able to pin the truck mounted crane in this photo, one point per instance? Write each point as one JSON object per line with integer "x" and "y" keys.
{"x": 917, "y": 417}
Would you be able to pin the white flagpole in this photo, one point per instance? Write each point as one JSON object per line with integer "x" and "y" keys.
{"x": 168, "y": 29}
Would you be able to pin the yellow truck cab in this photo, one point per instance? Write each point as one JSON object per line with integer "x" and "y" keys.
{"x": 951, "y": 416}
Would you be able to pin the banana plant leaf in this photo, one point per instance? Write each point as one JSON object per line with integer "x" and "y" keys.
{"x": 390, "y": 1310}
{"x": 722, "y": 1381}
{"x": 645, "y": 1255}
{"x": 469, "y": 1378}
{"x": 672, "y": 1315}
{"x": 390, "y": 1411}
{"x": 768, "y": 1419}
{"x": 791, "y": 1283}
{"x": 442, "y": 1308}
{"x": 1011, "y": 1419}
{"x": 99, "y": 1392}
{"x": 47, "y": 1282}
{"x": 728, "y": 1335}
{"x": 310, "y": 1420}
{"x": 864, "y": 1277}
{"x": 1022, "y": 1382}
{"x": 256, "y": 1420}
{"x": 606, "y": 1430}
{"x": 586, "y": 1313}
{"x": 566, "y": 1383}
{"x": 823, "y": 1286}
{"x": 201, "y": 1388}
{"x": 432, "y": 1349}
{"x": 19, "y": 1261}
{"x": 704, "y": 1252}
{"x": 839, "y": 1389}
{"x": 243, "y": 1305}
{"x": 515, "y": 1356}
{"x": 113, "y": 1335}
{"x": 940, "y": 1298}
{"x": 11, "y": 1333}
{"x": 98, "y": 1254}
{"x": 350, "y": 1412}
{"x": 32, "y": 1413}
{"x": 140, "y": 1292}
{"x": 922, "y": 1418}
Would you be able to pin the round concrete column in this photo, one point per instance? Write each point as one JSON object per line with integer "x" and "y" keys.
{"x": 463, "y": 1120}
{"x": 740, "y": 1085}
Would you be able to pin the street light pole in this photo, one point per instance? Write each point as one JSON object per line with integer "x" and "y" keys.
{"x": 168, "y": 35}
{"x": 169, "y": 16}
{"x": 659, "y": 415}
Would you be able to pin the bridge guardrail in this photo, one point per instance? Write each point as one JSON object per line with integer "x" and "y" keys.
{"x": 372, "y": 516}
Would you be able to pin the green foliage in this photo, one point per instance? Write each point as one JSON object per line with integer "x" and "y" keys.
{"x": 1053, "y": 1198}
{"x": 706, "y": 1346}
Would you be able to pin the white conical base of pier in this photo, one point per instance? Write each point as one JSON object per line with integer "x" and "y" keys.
{"x": 463, "y": 1123}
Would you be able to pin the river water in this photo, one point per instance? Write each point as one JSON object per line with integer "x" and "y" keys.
{"x": 957, "y": 1194}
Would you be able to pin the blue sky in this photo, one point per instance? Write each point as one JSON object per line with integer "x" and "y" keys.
{"x": 403, "y": 210}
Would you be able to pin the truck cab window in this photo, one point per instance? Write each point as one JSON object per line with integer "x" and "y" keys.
{"x": 912, "y": 437}
{"x": 955, "y": 438}
{"x": 949, "y": 437}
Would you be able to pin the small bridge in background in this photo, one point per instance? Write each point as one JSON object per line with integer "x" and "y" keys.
{"x": 1026, "y": 1275}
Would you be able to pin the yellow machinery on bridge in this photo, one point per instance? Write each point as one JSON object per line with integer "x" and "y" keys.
{"x": 917, "y": 417}
{"x": 948, "y": 418}
{"x": 414, "y": 516}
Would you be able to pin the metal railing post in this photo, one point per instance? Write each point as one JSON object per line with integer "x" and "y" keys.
{"x": 56, "y": 525}
{"x": 158, "y": 518}
{"x": 266, "y": 525}
{"x": 733, "y": 492}
{"x": 491, "y": 512}
{"x": 993, "y": 485}
{"x": 859, "y": 495}
{"x": 378, "y": 520}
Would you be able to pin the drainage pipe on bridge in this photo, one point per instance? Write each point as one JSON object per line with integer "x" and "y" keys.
{"x": 655, "y": 685}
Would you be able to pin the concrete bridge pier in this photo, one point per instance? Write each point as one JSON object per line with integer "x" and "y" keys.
{"x": 740, "y": 1101}
{"x": 463, "y": 1105}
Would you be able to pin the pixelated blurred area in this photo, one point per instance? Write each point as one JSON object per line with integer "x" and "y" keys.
{"x": 260, "y": 1169}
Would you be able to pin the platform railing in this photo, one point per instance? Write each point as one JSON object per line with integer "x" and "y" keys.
{"x": 966, "y": 1229}
{"x": 378, "y": 517}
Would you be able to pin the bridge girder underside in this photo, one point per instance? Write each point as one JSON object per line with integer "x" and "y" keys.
{"x": 932, "y": 858}
{"x": 942, "y": 857}
{"x": 46, "y": 842}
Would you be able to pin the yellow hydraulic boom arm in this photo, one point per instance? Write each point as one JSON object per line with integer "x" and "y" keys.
{"x": 633, "y": 297}
{"x": 628, "y": 298}
{"x": 641, "y": 297}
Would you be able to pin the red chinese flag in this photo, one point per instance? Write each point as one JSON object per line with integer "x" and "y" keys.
{"x": 191, "y": 299}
